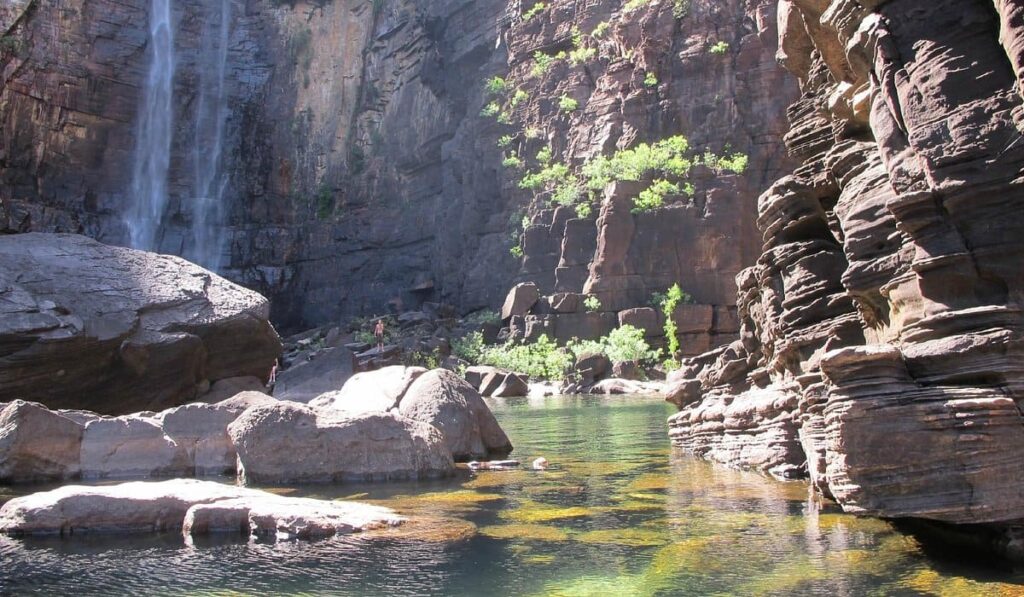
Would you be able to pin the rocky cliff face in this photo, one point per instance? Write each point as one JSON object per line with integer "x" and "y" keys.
{"x": 703, "y": 70}
{"x": 880, "y": 343}
{"x": 358, "y": 168}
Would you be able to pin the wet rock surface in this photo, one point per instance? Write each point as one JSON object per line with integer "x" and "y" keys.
{"x": 111, "y": 330}
{"x": 880, "y": 328}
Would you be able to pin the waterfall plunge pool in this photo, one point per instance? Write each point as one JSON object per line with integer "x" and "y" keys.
{"x": 619, "y": 513}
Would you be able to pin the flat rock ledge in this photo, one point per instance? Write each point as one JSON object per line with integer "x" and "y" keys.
{"x": 194, "y": 507}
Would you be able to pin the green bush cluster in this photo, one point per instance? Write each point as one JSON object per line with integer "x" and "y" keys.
{"x": 483, "y": 317}
{"x": 624, "y": 344}
{"x": 543, "y": 359}
{"x": 580, "y": 52}
{"x": 666, "y": 161}
{"x": 719, "y": 48}
{"x": 469, "y": 347}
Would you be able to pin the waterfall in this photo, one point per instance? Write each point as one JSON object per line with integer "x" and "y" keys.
{"x": 153, "y": 144}
{"x": 205, "y": 241}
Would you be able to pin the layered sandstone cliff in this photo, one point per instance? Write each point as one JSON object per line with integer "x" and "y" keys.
{"x": 881, "y": 327}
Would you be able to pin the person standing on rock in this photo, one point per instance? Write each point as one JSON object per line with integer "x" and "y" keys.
{"x": 378, "y": 332}
{"x": 273, "y": 374}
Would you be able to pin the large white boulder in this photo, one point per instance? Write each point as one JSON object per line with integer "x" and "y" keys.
{"x": 447, "y": 402}
{"x": 288, "y": 442}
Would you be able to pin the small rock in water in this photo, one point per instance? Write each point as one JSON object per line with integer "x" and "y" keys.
{"x": 493, "y": 465}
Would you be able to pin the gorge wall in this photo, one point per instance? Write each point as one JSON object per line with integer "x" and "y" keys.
{"x": 880, "y": 346}
{"x": 358, "y": 169}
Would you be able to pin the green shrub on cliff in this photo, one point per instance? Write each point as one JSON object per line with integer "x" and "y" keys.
{"x": 512, "y": 161}
{"x": 667, "y": 162}
{"x": 732, "y": 162}
{"x": 490, "y": 110}
{"x": 632, "y": 5}
{"x": 580, "y": 53}
{"x": 668, "y": 303}
{"x": 519, "y": 97}
{"x": 719, "y": 48}
{"x": 541, "y": 64}
{"x": 534, "y": 10}
{"x": 496, "y": 86}
{"x": 568, "y": 104}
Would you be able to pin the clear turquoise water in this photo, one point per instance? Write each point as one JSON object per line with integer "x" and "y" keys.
{"x": 619, "y": 513}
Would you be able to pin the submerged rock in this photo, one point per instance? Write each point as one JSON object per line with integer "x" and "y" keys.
{"x": 113, "y": 330}
{"x": 294, "y": 443}
{"x": 614, "y": 386}
{"x": 444, "y": 400}
{"x": 195, "y": 507}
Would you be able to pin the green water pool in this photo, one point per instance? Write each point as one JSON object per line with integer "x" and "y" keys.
{"x": 619, "y": 513}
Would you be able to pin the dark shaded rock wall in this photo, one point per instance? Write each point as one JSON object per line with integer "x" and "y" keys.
{"x": 881, "y": 328}
{"x": 361, "y": 173}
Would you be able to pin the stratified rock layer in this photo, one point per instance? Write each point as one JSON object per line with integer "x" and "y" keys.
{"x": 112, "y": 330}
{"x": 880, "y": 344}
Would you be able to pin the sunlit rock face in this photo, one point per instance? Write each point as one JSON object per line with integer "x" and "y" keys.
{"x": 886, "y": 301}
{"x": 355, "y": 148}
{"x": 88, "y": 326}
{"x": 656, "y": 77}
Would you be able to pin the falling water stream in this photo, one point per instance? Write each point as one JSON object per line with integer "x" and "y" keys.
{"x": 202, "y": 241}
{"x": 204, "y": 244}
{"x": 155, "y": 130}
